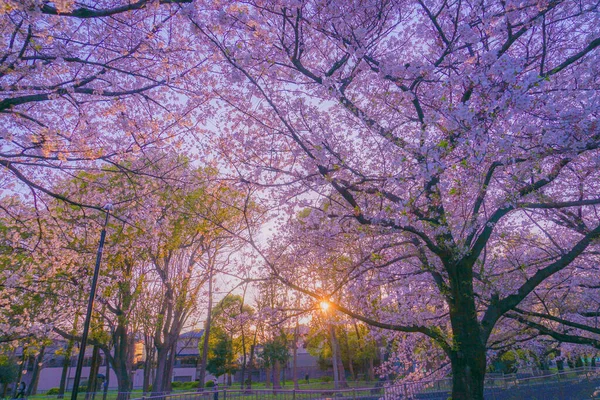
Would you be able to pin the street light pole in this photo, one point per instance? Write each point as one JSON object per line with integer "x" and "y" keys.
{"x": 88, "y": 316}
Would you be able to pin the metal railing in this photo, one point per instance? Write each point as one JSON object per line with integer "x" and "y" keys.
{"x": 559, "y": 385}
{"x": 575, "y": 384}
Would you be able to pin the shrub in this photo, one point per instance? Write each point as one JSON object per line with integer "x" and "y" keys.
{"x": 326, "y": 379}
{"x": 209, "y": 384}
{"x": 53, "y": 391}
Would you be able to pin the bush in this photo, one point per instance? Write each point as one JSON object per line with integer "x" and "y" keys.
{"x": 326, "y": 379}
{"x": 53, "y": 391}
{"x": 209, "y": 384}
{"x": 184, "y": 385}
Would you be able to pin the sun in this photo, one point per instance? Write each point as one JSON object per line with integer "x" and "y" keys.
{"x": 324, "y": 305}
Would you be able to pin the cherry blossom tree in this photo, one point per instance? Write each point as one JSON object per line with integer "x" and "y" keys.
{"x": 463, "y": 135}
{"x": 87, "y": 83}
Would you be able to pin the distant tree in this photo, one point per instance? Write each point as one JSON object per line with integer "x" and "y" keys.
{"x": 9, "y": 370}
{"x": 221, "y": 358}
{"x": 275, "y": 354}
{"x": 230, "y": 319}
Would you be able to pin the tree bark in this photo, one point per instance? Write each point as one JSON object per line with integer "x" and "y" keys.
{"x": 92, "y": 378}
{"x": 206, "y": 336}
{"x": 161, "y": 365}
{"x": 349, "y": 353}
{"x": 277, "y": 374}
{"x": 20, "y": 374}
{"x": 106, "y": 378}
{"x": 251, "y": 364}
{"x": 371, "y": 370}
{"x": 334, "y": 356}
{"x": 65, "y": 368}
{"x": 148, "y": 363}
{"x": 267, "y": 377}
{"x": 122, "y": 359}
{"x": 39, "y": 359}
{"x": 467, "y": 355}
{"x": 295, "y": 357}
{"x": 339, "y": 375}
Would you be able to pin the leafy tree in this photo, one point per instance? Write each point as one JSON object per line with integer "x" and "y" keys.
{"x": 9, "y": 371}
{"x": 274, "y": 354}
{"x": 221, "y": 360}
{"x": 230, "y": 322}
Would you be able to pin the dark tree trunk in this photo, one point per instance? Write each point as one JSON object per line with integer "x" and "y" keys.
{"x": 349, "y": 352}
{"x": 467, "y": 355}
{"x": 65, "y": 369}
{"x": 122, "y": 360}
{"x": 165, "y": 358}
{"x": 468, "y": 373}
{"x": 20, "y": 374}
{"x": 106, "y": 378}
{"x": 339, "y": 375}
{"x": 92, "y": 378}
{"x": 170, "y": 364}
{"x": 295, "y": 357}
{"x": 148, "y": 365}
{"x": 251, "y": 365}
{"x": 267, "y": 377}
{"x": 161, "y": 370}
{"x": 276, "y": 374}
{"x": 206, "y": 335}
{"x": 37, "y": 367}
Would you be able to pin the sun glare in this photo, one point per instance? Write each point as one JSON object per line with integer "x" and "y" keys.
{"x": 324, "y": 305}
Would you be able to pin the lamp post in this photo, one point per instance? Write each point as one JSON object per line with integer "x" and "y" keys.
{"x": 88, "y": 316}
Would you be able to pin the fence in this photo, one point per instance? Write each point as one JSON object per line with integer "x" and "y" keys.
{"x": 574, "y": 384}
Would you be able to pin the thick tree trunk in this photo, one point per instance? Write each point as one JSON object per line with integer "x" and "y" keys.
{"x": 161, "y": 370}
{"x": 122, "y": 360}
{"x": 277, "y": 374}
{"x": 37, "y": 367}
{"x": 467, "y": 356}
{"x": 124, "y": 384}
{"x": 468, "y": 373}
{"x": 165, "y": 359}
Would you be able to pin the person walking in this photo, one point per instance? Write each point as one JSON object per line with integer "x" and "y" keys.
{"x": 21, "y": 391}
